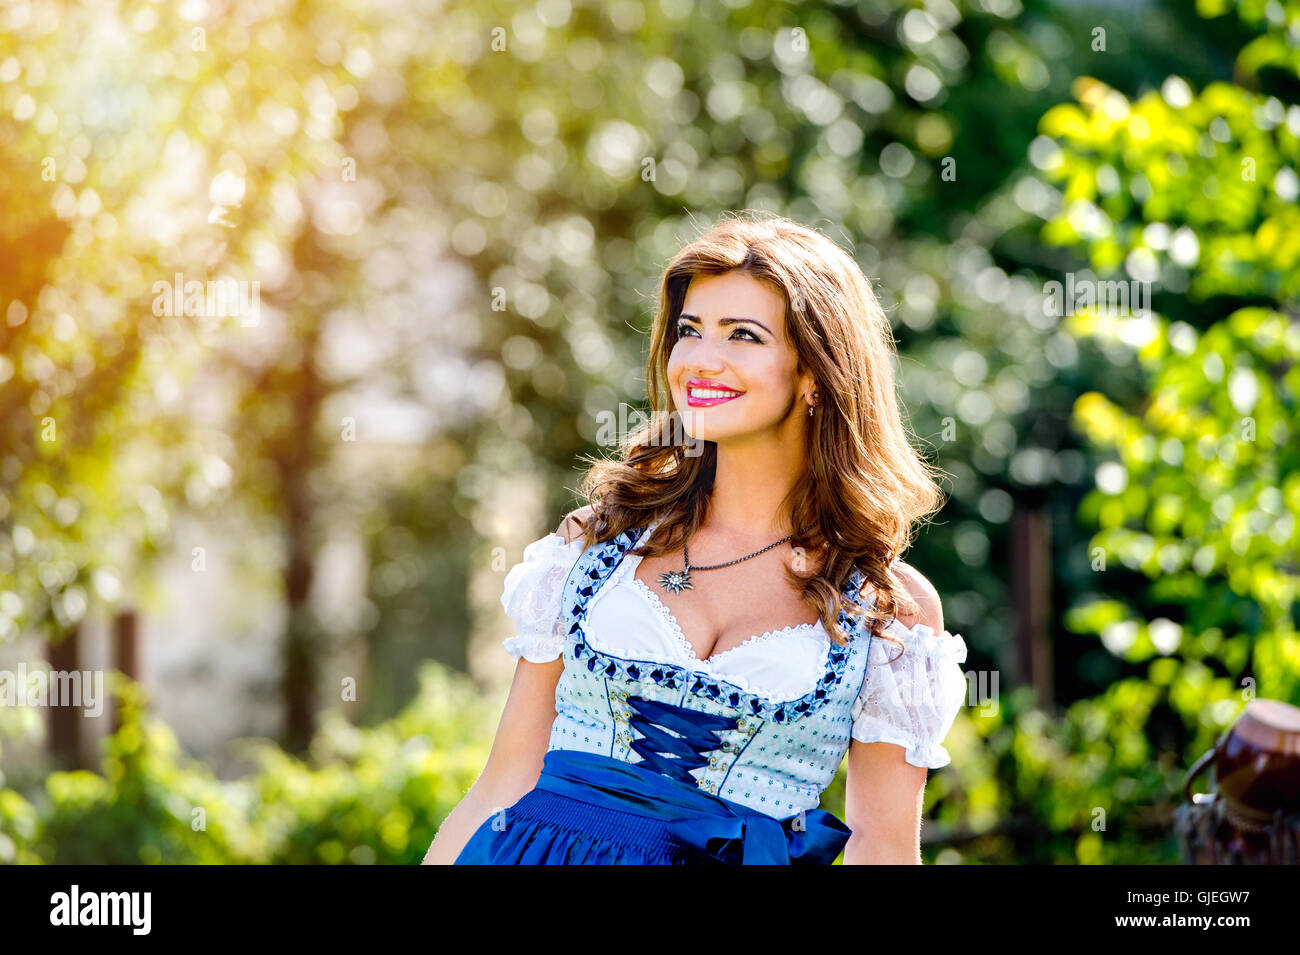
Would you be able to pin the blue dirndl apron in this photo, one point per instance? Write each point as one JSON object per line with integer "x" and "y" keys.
{"x": 592, "y": 809}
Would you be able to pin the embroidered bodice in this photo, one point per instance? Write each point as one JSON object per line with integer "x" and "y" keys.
{"x": 765, "y": 723}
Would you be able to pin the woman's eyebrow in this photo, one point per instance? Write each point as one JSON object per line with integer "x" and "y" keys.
{"x": 727, "y": 321}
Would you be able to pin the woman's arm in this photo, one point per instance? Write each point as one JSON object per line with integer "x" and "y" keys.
{"x": 514, "y": 763}
{"x": 523, "y": 734}
{"x": 884, "y": 793}
{"x": 883, "y": 799}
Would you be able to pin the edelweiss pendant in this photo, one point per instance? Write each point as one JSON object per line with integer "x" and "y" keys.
{"x": 676, "y": 581}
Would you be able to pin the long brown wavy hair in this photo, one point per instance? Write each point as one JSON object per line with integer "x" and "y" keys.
{"x": 864, "y": 488}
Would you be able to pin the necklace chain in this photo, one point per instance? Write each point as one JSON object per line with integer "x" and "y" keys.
{"x": 679, "y": 580}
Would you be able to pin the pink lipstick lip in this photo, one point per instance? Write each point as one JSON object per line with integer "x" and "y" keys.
{"x": 703, "y": 383}
{"x": 708, "y": 402}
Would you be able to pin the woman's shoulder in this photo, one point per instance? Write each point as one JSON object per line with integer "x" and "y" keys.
{"x": 928, "y": 610}
{"x": 929, "y": 607}
{"x": 575, "y": 523}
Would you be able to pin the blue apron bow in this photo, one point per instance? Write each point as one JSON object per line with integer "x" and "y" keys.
{"x": 759, "y": 839}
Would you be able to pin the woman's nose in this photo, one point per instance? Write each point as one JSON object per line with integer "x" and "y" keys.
{"x": 704, "y": 369}
{"x": 705, "y": 358}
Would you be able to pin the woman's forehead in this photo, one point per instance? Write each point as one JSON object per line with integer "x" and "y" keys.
{"x": 733, "y": 295}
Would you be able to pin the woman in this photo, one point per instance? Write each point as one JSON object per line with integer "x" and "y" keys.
{"x": 701, "y": 645}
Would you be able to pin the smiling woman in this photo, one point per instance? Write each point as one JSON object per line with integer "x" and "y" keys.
{"x": 702, "y": 645}
{"x": 733, "y": 352}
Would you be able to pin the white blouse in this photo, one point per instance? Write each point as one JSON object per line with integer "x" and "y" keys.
{"x": 910, "y": 701}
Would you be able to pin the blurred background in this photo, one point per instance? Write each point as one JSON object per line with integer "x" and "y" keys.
{"x": 308, "y": 309}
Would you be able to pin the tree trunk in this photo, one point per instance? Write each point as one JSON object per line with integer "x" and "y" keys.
{"x": 297, "y": 457}
{"x": 1031, "y": 544}
{"x": 300, "y": 644}
{"x": 65, "y": 721}
{"x": 126, "y": 651}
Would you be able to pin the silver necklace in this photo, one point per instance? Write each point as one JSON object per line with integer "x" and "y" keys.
{"x": 675, "y": 581}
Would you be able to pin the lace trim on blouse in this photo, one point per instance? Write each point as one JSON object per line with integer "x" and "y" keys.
{"x": 625, "y": 574}
{"x": 685, "y": 645}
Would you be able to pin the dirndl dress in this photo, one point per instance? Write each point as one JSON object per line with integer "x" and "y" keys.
{"x": 653, "y": 760}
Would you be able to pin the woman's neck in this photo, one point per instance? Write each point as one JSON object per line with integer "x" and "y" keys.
{"x": 749, "y": 487}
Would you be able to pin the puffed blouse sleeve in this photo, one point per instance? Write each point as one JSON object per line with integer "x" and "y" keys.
{"x": 531, "y": 598}
{"x": 913, "y": 699}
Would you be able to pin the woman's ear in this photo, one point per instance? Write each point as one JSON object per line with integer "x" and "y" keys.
{"x": 807, "y": 385}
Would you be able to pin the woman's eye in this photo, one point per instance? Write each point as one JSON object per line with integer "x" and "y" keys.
{"x": 682, "y": 327}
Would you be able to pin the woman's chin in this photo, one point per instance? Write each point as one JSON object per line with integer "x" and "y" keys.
{"x": 716, "y": 435}
{"x": 699, "y": 424}
{"x": 698, "y": 435}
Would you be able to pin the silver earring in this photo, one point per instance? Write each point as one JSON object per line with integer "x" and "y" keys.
{"x": 810, "y": 407}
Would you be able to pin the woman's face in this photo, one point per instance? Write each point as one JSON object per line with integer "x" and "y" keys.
{"x": 732, "y": 339}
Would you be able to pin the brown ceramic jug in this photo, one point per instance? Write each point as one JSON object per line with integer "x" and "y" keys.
{"x": 1256, "y": 763}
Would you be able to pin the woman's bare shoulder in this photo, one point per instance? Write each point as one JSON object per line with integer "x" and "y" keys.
{"x": 575, "y": 523}
{"x": 925, "y": 595}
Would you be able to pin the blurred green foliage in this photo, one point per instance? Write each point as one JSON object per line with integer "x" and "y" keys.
{"x": 363, "y": 795}
{"x": 1204, "y": 484}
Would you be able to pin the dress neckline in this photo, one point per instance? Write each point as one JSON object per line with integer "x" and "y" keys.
{"x": 633, "y": 561}
{"x": 685, "y": 645}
